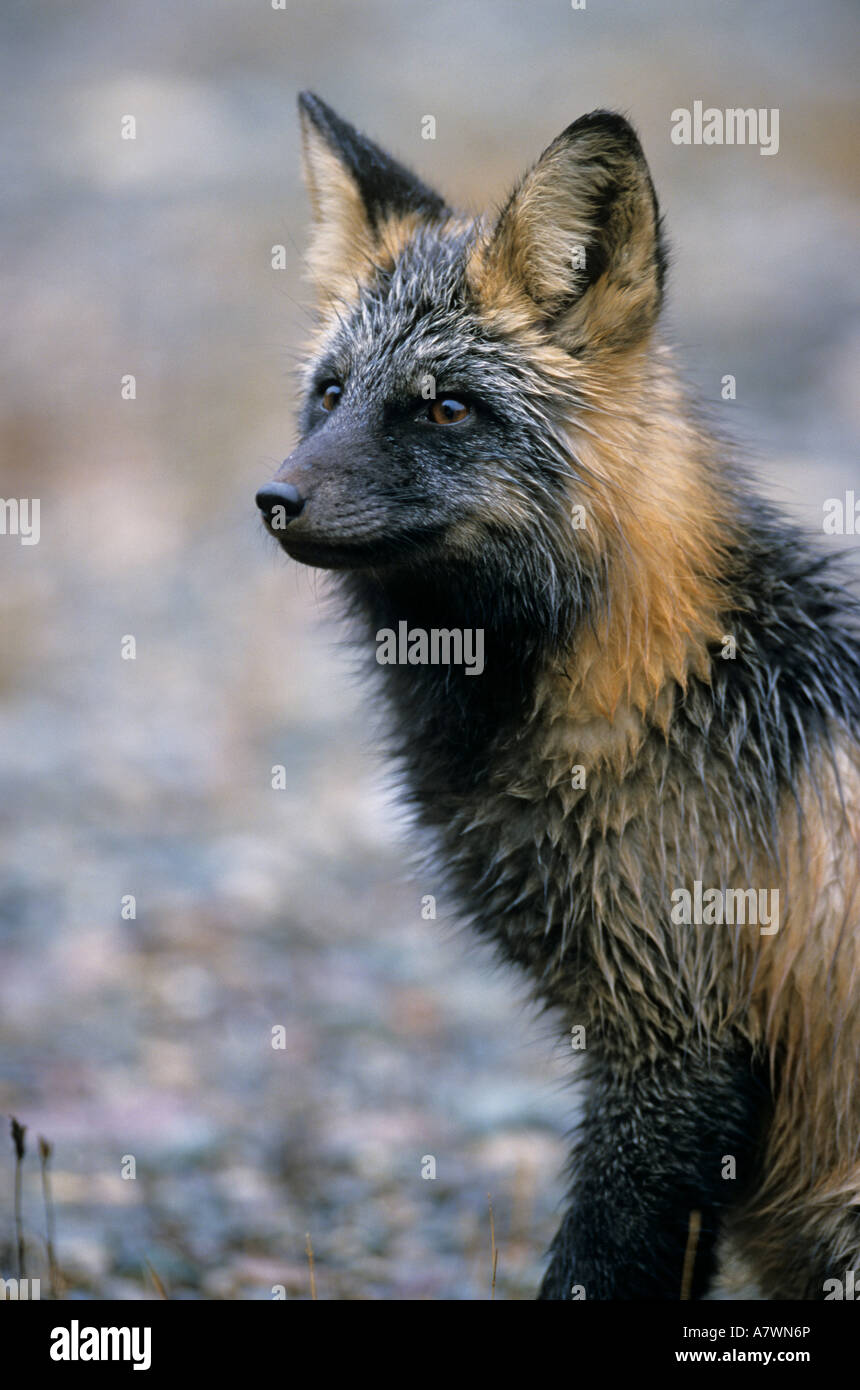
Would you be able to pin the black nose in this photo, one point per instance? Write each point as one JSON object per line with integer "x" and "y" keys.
{"x": 280, "y": 495}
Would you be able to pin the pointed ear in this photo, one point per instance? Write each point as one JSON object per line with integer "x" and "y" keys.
{"x": 356, "y": 191}
{"x": 581, "y": 237}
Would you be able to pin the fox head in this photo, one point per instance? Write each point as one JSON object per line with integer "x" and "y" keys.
{"x": 483, "y": 398}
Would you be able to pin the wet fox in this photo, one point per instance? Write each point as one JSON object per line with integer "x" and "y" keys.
{"x": 649, "y": 795}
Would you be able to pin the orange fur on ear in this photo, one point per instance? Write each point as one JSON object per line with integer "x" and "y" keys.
{"x": 365, "y": 204}
{"x": 342, "y": 244}
{"x": 580, "y": 236}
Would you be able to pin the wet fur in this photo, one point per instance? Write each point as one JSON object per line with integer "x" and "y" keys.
{"x": 604, "y": 650}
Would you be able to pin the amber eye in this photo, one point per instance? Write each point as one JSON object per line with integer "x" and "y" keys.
{"x": 448, "y": 411}
{"x": 330, "y": 396}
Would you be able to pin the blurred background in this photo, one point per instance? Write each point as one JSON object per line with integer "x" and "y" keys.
{"x": 151, "y": 1037}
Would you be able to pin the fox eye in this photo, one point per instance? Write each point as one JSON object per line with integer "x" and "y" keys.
{"x": 330, "y": 396}
{"x": 448, "y": 411}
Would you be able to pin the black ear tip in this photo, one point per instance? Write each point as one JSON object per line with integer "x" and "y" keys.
{"x": 333, "y": 128}
{"x": 309, "y": 105}
{"x": 611, "y": 125}
{"x": 318, "y": 112}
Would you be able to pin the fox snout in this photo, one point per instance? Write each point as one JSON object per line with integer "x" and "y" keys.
{"x": 279, "y": 495}
{"x": 348, "y": 498}
{"x": 319, "y": 509}
{"x": 311, "y": 504}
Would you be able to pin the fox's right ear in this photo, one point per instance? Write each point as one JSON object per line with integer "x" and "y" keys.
{"x": 356, "y": 192}
{"x": 581, "y": 236}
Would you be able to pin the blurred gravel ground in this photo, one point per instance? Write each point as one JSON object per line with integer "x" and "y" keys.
{"x": 258, "y": 908}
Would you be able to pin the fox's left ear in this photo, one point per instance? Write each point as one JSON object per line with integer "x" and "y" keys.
{"x": 356, "y": 189}
{"x": 581, "y": 236}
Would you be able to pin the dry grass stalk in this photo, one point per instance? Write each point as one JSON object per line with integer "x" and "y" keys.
{"x": 18, "y": 1141}
{"x": 45, "y": 1152}
{"x": 309, "y": 1251}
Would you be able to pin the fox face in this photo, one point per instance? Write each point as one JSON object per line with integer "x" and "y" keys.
{"x": 455, "y": 358}
{"x": 409, "y": 408}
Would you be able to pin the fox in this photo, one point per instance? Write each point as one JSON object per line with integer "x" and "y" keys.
{"x": 494, "y": 438}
